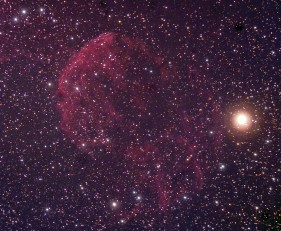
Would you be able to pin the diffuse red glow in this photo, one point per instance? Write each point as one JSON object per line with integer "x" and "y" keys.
{"x": 117, "y": 95}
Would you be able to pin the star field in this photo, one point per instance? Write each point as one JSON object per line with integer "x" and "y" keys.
{"x": 140, "y": 115}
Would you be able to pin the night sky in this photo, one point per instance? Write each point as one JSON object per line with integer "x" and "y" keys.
{"x": 140, "y": 115}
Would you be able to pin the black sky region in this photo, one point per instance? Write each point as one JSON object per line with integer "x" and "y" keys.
{"x": 118, "y": 115}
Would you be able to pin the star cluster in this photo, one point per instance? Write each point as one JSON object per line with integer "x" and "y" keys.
{"x": 187, "y": 137}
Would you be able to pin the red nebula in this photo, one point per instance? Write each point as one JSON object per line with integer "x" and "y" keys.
{"x": 116, "y": 94}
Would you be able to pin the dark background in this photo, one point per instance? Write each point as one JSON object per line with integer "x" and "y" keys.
{"x": 48, "y": 184}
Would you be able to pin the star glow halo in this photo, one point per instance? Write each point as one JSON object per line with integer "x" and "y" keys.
{"x": 242, "y": 120}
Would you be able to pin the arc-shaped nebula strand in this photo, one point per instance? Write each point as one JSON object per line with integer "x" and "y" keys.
{"x": 118, "y": 95}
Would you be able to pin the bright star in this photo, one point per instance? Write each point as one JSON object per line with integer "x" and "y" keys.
{"x": 242, "y": 121}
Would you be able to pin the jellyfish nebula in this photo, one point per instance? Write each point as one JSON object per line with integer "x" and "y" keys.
{"x": 117, "y": 94}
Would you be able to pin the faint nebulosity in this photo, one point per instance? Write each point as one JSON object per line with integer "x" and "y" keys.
{"x": 118, "y": 96}
{"x": 139, "y": 115}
